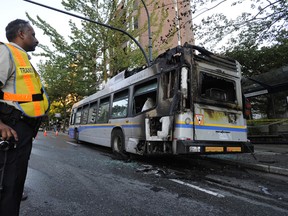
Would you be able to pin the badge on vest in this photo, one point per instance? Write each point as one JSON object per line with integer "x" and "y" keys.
{"x": 25, "y": 70}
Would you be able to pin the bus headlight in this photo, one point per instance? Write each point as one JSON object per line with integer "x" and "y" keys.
{"x": 187, "y": 121}
{"x": 232, "y": 118}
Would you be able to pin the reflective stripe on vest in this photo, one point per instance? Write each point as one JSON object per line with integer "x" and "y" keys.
{"x": 21, "y": 97}
{"x": 28, "y": 91}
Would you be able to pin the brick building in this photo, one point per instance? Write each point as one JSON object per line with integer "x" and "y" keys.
{"x": 171, "y": 23}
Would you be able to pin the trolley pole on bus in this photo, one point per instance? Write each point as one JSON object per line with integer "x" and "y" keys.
{"x": 149, "y": 33}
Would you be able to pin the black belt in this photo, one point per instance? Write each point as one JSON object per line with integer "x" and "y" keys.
{"x": 17, "y": 115}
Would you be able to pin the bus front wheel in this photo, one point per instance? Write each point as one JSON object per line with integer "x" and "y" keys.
{"x": 118, "y": 143}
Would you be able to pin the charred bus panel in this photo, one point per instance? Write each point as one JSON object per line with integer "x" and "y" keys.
{"x": 202, "y": 99}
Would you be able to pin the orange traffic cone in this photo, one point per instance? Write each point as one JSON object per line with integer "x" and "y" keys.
{"x": 56, "y": 133}
{"x": 45, "y": 133}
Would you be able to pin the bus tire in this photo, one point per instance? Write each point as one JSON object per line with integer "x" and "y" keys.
{"x": 118, "y": 144}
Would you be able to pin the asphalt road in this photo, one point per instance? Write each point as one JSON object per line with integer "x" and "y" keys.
{"x": 67, "y": 179}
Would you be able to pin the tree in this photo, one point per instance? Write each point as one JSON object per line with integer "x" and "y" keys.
{"x": 256, "y": 61}
{"x": 94, "y": 47}
{"x": 266, "y": 22}
{"x": 69, "y": 72}
{"x": 76, "y": 68}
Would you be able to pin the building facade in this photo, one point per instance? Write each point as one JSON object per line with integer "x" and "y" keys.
{"x": 171, "y": 23}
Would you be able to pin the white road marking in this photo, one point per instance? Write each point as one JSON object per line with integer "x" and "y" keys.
{"x": 198, "y": 188}
{"x": 72, "y": 143}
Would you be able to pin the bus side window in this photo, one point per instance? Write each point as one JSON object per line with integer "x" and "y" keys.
{"x": 72, "y": 117}
{"x": 78, "y": 115}
{"x": 92, "y": 113}
{"x": 145, "y": 96}
{"x": 120, "y": 105}
{"x": 168, "y": 80}
{"x": 85, "y": 114}
{"x": 103, "y": 112}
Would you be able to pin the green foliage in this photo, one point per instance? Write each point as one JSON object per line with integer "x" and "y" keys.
{"x": 76, "y": 68}
{"x": 255, "y": 60}
{"x": 264, "y": 22}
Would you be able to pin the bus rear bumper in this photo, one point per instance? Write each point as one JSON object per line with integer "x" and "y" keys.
{"x": 192, "y": 147}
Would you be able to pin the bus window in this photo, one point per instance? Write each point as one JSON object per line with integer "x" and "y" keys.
{"x": 78, "y": 116}
{"x": 92, "y": 113}
{"x": 120, "y": 105}
{"x": 168, "y": 80}
{"x": 85, "y": 114}
{"x": 217, "y": 88}
{"x": 72, "y": 118}
{"x": 103, "y": 112}
{"x": 145, "y": 96}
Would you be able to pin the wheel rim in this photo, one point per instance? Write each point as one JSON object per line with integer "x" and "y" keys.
{"x": 117, "y": 144}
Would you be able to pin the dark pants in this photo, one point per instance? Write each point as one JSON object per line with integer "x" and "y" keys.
{"x": 15, "y": 170}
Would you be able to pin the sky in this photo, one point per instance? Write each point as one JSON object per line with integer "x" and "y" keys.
{"x": 16, "y": 9}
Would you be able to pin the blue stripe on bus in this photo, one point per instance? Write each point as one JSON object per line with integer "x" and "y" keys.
{"x": 199, "y": 127}
{"x": 84, "y": 127}
{"x": 130, "y": 126}
{"x": 204, "y": 127}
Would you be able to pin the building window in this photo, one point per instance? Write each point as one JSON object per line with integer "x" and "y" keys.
{"x": 135, "y": 23}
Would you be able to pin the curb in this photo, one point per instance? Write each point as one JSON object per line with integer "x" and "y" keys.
{"x": 259, "y": 167}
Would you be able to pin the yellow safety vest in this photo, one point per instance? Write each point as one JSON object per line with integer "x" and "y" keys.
{"x": 29, "y": 93}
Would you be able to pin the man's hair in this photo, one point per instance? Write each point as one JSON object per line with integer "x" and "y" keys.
{"x": 13, "y": 28}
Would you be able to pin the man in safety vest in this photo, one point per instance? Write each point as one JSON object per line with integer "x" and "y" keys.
{"x": 23, "y": 102}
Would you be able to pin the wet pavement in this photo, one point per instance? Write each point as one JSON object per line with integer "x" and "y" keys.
{"x": 67, "y": 179}
{"x": 271, "y": 158}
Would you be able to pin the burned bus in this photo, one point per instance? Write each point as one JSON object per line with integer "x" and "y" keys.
{"x": 189, "y": 101}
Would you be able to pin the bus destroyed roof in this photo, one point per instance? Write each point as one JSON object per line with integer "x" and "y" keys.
{"x": 175, "y": 57}
{"x": 119, "y": 77}
{"x": 198, "y": 53}
{"x": 123, "y": 75}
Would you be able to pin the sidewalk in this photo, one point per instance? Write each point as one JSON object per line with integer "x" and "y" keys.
{"x": 271, "y": 158}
